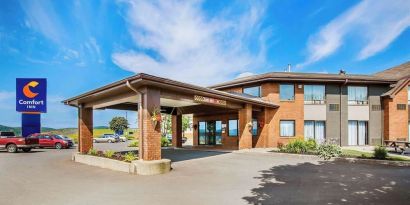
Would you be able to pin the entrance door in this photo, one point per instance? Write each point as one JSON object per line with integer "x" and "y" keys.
{"x": 210, "y": 133}
{"x": 210, "y": 128}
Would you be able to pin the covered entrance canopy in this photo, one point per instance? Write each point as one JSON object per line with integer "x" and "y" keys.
{"x": 150, "y": 96}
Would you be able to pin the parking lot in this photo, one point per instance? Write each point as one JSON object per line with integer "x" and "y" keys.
{"x": 49, "y": 176}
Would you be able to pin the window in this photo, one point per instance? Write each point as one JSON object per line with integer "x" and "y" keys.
{"x": 233, "y": 128}
{"x": 357, "y": 95}
{"x": 254, "y": 127}
{"x": 287, "y": 128}
{"x": 408, "y": 95}
{"x": 218, "y": 132}
{"x": 314, "y": 94}
{"x": 315, "y": 130}
{"x": 357, "y": 132}
{"x": 401, "y": 106}
{"x": 287, "y": 92}
{"x": 202, "y": 133}
{"x": 254, "y": 91}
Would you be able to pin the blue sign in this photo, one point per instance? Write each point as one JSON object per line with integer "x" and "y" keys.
{"x": 31, "y": 95}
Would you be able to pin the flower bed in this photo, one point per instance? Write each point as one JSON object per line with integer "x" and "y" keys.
{"x": 127, "y": 157}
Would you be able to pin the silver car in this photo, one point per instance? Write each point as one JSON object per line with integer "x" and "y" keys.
{"x": 106, "y": 138}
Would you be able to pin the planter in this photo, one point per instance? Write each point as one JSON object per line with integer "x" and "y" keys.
{"x": 105, "y": 163}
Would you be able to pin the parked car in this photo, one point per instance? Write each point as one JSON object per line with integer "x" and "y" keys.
{"x": 12, "y": 143}
{"x": 169, "y": 137}
{"x": 51, "y": 140}
{"x": 69, "y": 140}
{"x": 106, "y": 138}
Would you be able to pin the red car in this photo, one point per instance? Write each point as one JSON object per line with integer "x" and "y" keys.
{"x": 13, "y": 143}
{"x": 51, "y": 140}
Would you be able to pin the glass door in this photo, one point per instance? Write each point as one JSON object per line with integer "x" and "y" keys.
{"x": 210, "y": 128}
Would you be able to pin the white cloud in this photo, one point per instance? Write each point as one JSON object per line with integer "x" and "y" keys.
{"x": 6, "y": 95}
{"x": 190, "y": 46}
{"x": 376, "y": 23}
{"x": 245, "y": 74}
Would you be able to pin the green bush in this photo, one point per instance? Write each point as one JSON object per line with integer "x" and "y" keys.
{"x": 92, "y": 151}
{"x": 328, "y": 150}
{"x": 129, "y": 157}
{"x": 164, "y": 142}
{"x": 299, "y": 146}
{"x": 134, "y": 144}
{"x": 109, "y": 153}
{"x": 380, "y": 153}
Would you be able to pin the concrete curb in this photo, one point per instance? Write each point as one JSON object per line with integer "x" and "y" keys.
{"x": 105, "y": 163}
{"x": 373, "y": 161}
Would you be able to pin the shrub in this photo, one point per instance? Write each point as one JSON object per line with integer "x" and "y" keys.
{"x": 100, "y": 153}
{"x": 129, "y": 157}
{"x": 380, "y": 153}
{"x": 118, "y": 156}
{"x": 109, "y": 153}
{"x": 328, "y": 150}
{"x": 164, "y": 142}
{"x": 299, "y": 146}
{"x": 134, "y": 144}
{"x": 92, "y": 151}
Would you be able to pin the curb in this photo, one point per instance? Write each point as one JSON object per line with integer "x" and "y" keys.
{"x": 373, "y": 161}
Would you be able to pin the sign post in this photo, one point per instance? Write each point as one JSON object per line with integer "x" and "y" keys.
{"x": 31, "y": 101}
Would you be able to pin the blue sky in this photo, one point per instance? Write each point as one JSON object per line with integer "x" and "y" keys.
{"x": 81, "y": 45}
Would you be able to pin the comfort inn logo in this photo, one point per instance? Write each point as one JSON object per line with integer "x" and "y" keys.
{"x": 26, "y": 89}
{"x": 31, "y": 95}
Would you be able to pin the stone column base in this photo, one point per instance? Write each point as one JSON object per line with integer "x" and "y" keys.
{"x": 153, "y": 167}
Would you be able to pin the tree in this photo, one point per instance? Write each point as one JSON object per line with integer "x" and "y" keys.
{"x": 118, "y": 124}
{"x": 185, "y": 124}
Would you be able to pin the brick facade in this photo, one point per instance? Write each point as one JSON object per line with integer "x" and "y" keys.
{"x": 85, "y": 131}
{"x": 395, "y": 120}
{"x": 150, "y": 134}
{"x": 176, "y": 124}
{"x": 245, "y": 127}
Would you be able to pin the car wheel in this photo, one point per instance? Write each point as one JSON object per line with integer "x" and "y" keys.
{"x": 58, "y": 146}
{"x": 26, "y": 149}
{"x": 109, "y": 141}
{"x": 11, "y": 148}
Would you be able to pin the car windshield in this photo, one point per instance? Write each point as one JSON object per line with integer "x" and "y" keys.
{"x": 58, "y": 137}
{"x": 8, "y": 134}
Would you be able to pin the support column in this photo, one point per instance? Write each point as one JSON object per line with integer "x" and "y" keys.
{"x": 85, "y": 129}
{"x": 150, "y": 133}
{"x": 177, "y": 130}
{"x": 245, "y": 127}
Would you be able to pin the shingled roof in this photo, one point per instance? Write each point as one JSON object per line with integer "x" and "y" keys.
{"x": 397, "y": 72}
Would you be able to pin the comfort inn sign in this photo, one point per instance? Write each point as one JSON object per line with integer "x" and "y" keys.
{"x": 31, "y": 95}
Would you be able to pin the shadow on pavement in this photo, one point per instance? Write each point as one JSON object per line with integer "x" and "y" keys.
{"x": 176, "y": 155}
{"x": 332, "y": 183}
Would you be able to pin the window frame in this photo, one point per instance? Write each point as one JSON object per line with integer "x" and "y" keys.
{"x": 280, "y": 92}
{"x": 199, "y": 132}
{"x": 294, "y": 128}
{"x": 257, "y": 86}
{"x": 314, "y": 127}
{"x": 312, "y": 101}
{"x": 358, "y": 102}
{"x": 229, "y": 128}
{"x": 257, "y": 128}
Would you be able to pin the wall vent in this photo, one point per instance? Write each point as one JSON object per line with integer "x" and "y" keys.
{"x": 401, "y": 106}
{"x": 334, "y": 107}
{"x": 376, "y": 107}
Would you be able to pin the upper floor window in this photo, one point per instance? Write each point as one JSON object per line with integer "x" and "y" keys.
{"x": 287, "y": 92}
{"x": 408, "y": 96}
{"x": 357, "y": 95}
{"x": 314, "y": 94}
{"x": 254, "y": 91}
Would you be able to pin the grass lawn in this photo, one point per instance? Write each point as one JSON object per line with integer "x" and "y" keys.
{"x": 367, "y": 155}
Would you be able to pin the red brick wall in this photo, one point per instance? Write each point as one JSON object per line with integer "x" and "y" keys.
{"x": 396, "y": 121}
{"x": 85, "y": 123}
{"x": 227, "y": 141}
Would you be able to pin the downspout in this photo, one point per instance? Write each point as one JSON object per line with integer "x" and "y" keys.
{"x": 127, "y": 83}
{"x": 341, "y": 107}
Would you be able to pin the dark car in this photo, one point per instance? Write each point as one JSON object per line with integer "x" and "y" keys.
{"x": 51, "y": 140}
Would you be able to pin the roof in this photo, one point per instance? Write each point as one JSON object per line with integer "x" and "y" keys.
{"x": 303, "y": 77}
{"x": 146, "y": 79}
{"x": 397, "y": 72}
{"x": 397, "y": 88}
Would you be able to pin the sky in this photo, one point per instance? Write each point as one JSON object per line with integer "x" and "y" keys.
{"x": 82, "y": 45}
